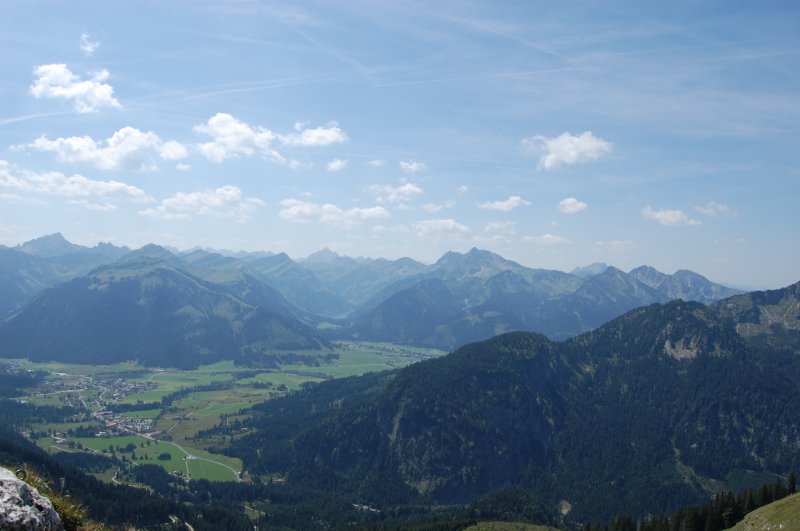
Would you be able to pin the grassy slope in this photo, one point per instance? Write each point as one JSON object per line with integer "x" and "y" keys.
{"x": 783, "y": 514}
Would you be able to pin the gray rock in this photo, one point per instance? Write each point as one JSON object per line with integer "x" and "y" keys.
{"x": 23, "y": 508}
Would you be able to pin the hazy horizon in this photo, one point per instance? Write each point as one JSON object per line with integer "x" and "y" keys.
{"x": 301, "y": 259}
{"x": 556, "y": 134}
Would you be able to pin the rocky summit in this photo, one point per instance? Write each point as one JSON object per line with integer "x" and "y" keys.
{"x": 22, "y": 508}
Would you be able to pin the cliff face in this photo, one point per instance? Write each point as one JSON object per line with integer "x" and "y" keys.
{"x": 22, "y": 507}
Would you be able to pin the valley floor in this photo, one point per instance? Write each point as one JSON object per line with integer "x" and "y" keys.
{"x": 159, "y": 415}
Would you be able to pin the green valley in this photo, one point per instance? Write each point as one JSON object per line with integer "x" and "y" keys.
{"x": 146, "y": 415}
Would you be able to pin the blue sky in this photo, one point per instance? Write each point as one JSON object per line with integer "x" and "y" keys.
{"x": 554, "y": 133}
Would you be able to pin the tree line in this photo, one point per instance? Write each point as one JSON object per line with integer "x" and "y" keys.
{"x": 723, "y": 512}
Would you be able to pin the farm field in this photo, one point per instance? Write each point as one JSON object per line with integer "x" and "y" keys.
{"x": 157, "y": 416}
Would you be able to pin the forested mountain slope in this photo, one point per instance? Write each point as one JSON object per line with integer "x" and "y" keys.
{"x": 147, "y": 309}
{"x": 650, "y": 412}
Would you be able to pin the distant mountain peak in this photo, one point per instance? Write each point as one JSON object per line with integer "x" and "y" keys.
{"x": 613, "y": 271}
{"x": 472, "y": 255}
{"x": 646, "y": 269}
{"x": 683, "y": 284}
{"x": 590, "y": 270}
{"x": 151, "y": 249}
{"x": 48, "y": 246}
{"x": 323, "y": 256}
{"x": 151, "y": 254}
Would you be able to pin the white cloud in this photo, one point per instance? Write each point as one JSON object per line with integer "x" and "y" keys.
{"x": 233, "y": 138}
{"x": 437, "y": 207}
{"x": 411, "y": 166}
{"x": 441, "y": 229}
{"x": 337, "y": 165}
{"x": 377, "y": 163}
{"x": 58, "y": 81}
{"x": 547, "y": 239}
{"x": 714, "y": 209}
{"x": 318, "y": 136}
{"x": 379, "y": 229}
{"x": 500, "y": 226}
{"x": 297, "y": 165}
{"x": 172, "y": 150}
{"x": 303, "y": 212}
{"x": 88, "y": 47}
{"x": 570, "y": 205}
{"x": 668, "y": 217}
{"x": 127, "y": 149}
{"x": 98, "y": 207}
{"x": 352, "y": 216}
{"x": 507, "y": 205}
{"x": 396, "y": 194}
{"x": 463, "y": 189}
{"x": 567, "y": 149}
{"x": 16, "y": 198}
{"x": 224, "y": 202}
{"x": 299, "y": 211}
{"x": 76, "y": 186}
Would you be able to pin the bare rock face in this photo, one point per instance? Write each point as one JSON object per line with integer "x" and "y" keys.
{"x": 22, "y": 508}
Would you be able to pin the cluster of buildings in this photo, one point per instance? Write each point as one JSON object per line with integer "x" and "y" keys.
{"x": 119, "y": 423}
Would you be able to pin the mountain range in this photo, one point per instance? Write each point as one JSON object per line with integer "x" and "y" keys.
{"x": 28, "y": 268}
{"x": 654, "y": 410}
{"x": 51, "y": 284}
{"x": 146, "y": 308}
{"x": 591, "y": 393}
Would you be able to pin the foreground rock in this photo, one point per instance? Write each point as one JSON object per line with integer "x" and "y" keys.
{"x": 23, "y": 508}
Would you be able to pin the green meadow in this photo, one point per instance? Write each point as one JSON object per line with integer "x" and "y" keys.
{"x": 196, "y": 410}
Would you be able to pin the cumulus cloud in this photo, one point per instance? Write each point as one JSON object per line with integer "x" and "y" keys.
{"x": 304, "y": 211}
{"x": 507, "y": 205}
{"x": 411, "y": 166}
{"x": 88, "y": 47}
{"x": 232, "y": 137}
{"x": 377, "y": 163}
{"x": 668, "y": 217}
{"x": 97, "y": 207}
{"x": 336, "y": 165}
{"x": 380, "y": 229}
{"x": 225, "y": 202}
{"x": 58, "y": 81}
{"x": 441, "y": 229}
{"x": 437, "y": 207}
{"x": 547, "y": 239}
{"x": 75, "y": 186}
{"x": 500, "y": 226}
{"x": 396, "y": 194}
{"x": 353, "y": 216}
{"x": 570, "y": 205}
{"x": 127, "y": 149}
{"x": 567, "y": 149}
{"x": 714, "y": 209}
{"x": 16, "y": 198}
{"x": 299, "y": 211}
{"x": 463, "y": 189}
{"x": 317, "y": 136}
{"x": 173, "y": 150}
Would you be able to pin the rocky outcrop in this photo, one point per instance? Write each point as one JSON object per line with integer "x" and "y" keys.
{"x": 23, "y": 508}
